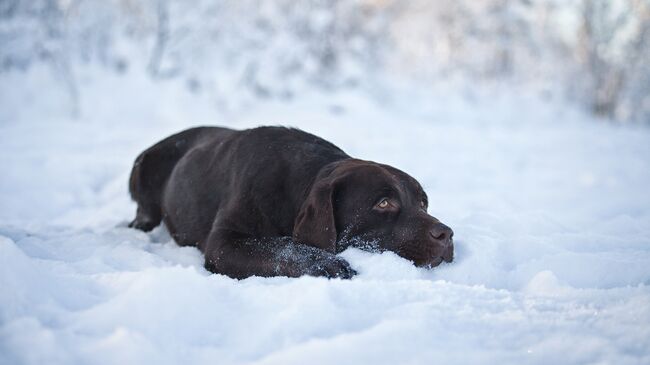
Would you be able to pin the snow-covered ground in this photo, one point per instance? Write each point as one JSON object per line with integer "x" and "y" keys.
{"x": 551, "y": 213}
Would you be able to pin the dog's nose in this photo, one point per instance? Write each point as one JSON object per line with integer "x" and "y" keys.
{"x": 442, "y": 234}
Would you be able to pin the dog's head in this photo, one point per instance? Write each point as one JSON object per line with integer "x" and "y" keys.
{"x": 373, "y": 206}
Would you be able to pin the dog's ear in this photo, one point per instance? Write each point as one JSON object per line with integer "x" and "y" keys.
{"x": 315, "y": 225}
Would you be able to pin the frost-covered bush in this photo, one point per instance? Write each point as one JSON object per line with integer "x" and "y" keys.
{"x": 263, "y": 48}
{"x": 614, "y": 50}
{"x": 594, "y": 52}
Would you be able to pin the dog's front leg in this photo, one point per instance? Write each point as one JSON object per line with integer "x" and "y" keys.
{"x": 240, "y": 257}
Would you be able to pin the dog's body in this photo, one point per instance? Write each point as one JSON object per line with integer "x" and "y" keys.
{"x": 275, "y": 201}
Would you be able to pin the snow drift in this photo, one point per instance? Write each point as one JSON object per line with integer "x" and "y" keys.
{"x": 550, "y": 209}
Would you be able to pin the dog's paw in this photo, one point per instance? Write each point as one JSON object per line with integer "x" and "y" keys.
{"x": 332, "y": 267}
{"x": 143, "y": 225}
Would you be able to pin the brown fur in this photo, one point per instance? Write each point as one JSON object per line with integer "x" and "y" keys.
{"x": 276, "y": 201}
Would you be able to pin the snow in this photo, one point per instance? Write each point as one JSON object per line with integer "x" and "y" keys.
{"x": 550, "y": 209}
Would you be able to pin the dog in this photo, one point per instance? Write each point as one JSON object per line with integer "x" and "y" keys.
{"x": 275, "y": 201}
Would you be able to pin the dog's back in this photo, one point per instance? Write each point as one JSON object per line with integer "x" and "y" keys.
{"x": 191, "y": 177}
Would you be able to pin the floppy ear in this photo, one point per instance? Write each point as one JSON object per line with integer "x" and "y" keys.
{"x": 314, "y": 225}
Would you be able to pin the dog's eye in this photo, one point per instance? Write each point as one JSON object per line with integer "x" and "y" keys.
{"x": 383, "y": 204}
{"x": 423, "y": 204}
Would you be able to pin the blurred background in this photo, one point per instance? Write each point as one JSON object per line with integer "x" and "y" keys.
{"x": 59, "y": 54}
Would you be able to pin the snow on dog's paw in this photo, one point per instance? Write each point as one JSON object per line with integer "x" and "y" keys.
{"x": 332, "y": 267}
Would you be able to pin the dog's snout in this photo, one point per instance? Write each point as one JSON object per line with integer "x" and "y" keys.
{"x": 442, "y": 233}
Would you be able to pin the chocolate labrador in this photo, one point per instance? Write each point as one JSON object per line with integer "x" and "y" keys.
{"x": 274, "y": 201}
